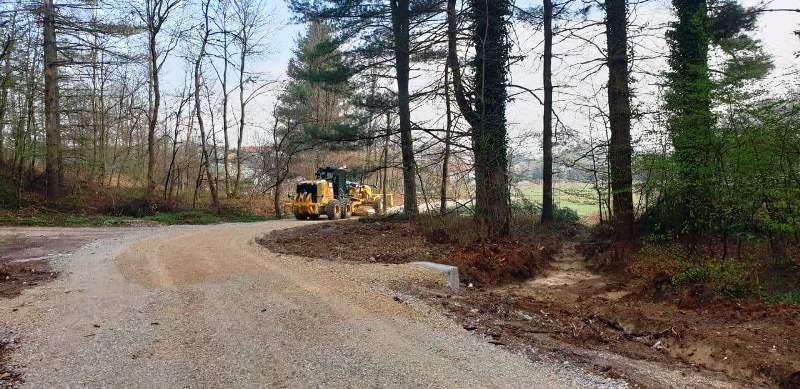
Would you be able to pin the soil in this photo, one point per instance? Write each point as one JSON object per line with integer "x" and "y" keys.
{"x": 564, "y": 301}
{"x": 23, "y": 261}
{"x": 372, "y": 240}
{"x": 9, "y": 378}
{"x": 757, "y": 345}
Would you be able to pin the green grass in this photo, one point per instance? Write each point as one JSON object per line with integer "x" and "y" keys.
{"x": 577, "y": 196}
{"x": 202, "y": 217}
{"x": 59, "y": 219}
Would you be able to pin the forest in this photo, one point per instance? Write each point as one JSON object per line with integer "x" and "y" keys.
{"x": 682, "y": 130}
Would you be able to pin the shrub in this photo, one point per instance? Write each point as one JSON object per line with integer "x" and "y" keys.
{"x": 727, "y": 278}
{"x": 566, "y": 215}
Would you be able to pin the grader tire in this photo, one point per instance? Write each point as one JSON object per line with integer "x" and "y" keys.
{"x": 299, "y": 216}
{"x": 334, "y": 210}
{"x": 347, "y": 210}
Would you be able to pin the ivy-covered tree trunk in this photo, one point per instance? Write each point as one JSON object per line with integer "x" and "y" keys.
{"x": 486, "y": 113}
{"x": 691, "y": 122}
{"x": 490, "y": 39}
{"x": 400, "y": 29}
{"x": 619, "y": 109}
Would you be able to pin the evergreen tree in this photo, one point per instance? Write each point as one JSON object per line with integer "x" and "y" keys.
{"x": 370, "y": 25}
{"x": 319, "y": 84}
{"x": 702, "y": 26}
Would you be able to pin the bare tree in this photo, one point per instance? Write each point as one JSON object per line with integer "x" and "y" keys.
{"x": 154, "y": 14}
{"x": 5, "y": 82}
{"x": 222, "y": 26}
{"x": 198, "y": 64}
{"x": 250, "y": 19}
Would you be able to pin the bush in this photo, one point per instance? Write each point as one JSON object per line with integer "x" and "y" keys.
{"x": 521, "y": 205}
{"x": 784, "y": 298}
{"x": 566, "y": 215}
{"x": 727, "y": 278}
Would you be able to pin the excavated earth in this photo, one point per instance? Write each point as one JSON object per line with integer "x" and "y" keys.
{"x": 567, "y": 311}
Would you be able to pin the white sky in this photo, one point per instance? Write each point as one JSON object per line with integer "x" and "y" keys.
{"x": 775, "y": 31}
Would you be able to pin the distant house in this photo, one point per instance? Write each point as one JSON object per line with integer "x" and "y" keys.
{"x": 252, "y": 160}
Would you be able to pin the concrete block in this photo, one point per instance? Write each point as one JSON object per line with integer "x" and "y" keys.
{"x": 449, "y": 273}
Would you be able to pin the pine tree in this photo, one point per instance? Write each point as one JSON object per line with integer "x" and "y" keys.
{"x": 702, "y": 25}
{"x": 619, "y": 114}
{"x": 547, "y": 117}
{"x": 319, "y": 83}
{"x": 373, "y": 24}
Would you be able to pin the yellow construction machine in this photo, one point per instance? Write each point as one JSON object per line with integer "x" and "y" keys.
{"x": 332, "y": 195}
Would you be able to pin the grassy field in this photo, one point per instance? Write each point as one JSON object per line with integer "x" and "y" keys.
{"x": 578, "y": 196}
{"x": 51, "y": 218}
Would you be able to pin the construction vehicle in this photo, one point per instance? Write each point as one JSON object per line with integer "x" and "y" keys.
{"x": 332, "y": 195}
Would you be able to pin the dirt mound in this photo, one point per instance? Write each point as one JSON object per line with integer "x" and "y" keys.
{"x": 754, "y": 343}
{"x": 355, "y": 241}
{"x": 482, "y": 264}
{"x": 500, "y": 263}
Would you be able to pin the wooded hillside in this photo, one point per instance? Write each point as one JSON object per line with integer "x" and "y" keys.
{"x": 416, "y": 91}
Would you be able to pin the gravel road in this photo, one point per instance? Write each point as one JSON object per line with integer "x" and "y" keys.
{"x": 206, "y": 306}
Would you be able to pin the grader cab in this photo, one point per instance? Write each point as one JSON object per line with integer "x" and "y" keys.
{"x": 330, "y": 193}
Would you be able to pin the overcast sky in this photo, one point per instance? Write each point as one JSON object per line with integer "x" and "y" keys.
{"x": 775, "y": 31}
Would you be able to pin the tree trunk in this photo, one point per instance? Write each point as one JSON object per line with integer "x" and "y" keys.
{"x": 691, "y": 123}
{"x": 490, "y": 38}
{"x": 224, "y": 86}
{"x": 197, "y": 84}
{"x": 6, "y": 85}
{"x": 448, "y": 128}
{"x": 400, "y": 29}
{"x": 53, "y": 169}
{"x": 277, "y": 161}
{"x": 242, "y": 112}
{"x": 547, "y": 120}
{"x": 277, "y": 200}
{"x": 487, "y": 117}
{"x": 386, "y": 162}
{"x": 152, "y": 120}
{"x": 101, "y": 173}
{"x": 619, "y": 119}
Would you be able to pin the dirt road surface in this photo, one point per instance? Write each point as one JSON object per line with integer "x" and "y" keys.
{"x": 206, "y": 306}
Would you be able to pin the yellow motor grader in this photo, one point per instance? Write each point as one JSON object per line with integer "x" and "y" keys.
{"x": 330, "y": 194}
